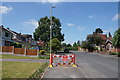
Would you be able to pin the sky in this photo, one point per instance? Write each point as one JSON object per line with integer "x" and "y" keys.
{"x": 78, "y": 19}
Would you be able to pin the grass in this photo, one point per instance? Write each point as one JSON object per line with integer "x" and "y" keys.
{"x": 19, "y": 69}
{"x": 22, "y": 57}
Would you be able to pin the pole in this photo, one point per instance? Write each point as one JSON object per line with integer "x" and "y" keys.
{"x": 50, "y": 30}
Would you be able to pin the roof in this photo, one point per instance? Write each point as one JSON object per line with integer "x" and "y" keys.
{"x": 108, "y": 41}
{"x": 103, "y": 36}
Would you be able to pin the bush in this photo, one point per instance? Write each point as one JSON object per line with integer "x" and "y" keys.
{"x": 96, "y": 48}
{"x": 101, "y": 49}
{"x": 113, "y": 53}
{"x": 42, "y": 52}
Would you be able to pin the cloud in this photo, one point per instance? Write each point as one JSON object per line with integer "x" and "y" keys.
{"x": 32, "y": 22}
{"x": 90, "y": 17}
{"x": 52, "y": 1}
{"x": 71, "y": 25}
{"x": 80, "y": 28}
{"x": 116, "y": 17}
{"x": 110, "y": 30}
{"x": 5, "y": 9}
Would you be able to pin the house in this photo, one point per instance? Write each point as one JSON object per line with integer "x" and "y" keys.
{"x": 5, "y": 37}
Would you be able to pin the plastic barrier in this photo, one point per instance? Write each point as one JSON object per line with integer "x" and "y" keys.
{"x": 62, "y": 60}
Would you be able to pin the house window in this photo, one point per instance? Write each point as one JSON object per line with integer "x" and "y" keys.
{"x": 6, "y": 34}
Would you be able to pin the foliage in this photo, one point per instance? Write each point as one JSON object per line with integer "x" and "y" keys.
{"x": 38, "y": 72}
{"x": 43, "y": 30}
{"x": 78, "y": 43}
{"x": 96, "y": 48}
{"x": 101, "y": 49}
{"x": 87, "y": 45}
{"x": 16, "y": 45}
{"x": 69, "y": 45}
{"x": 116, "y": 39}
{"x": 42, "y": 52}
{"x": 55, "y": 44}
{"x": 95, "y": 39}
{"x": 98, "y": 31}
{"x": 63, "y": 45}
{"x": 75, "y": 44}
{"x": 113, "y": 53}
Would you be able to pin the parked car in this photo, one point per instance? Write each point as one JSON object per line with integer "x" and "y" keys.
{"x": 66, "y": 51}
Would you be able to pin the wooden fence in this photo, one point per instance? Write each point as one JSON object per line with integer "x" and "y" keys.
{"x": 22, "y": 51}
{"x": 7, "y": 48}
{"x": 31, "y": 51}
{"x": 19, "y": 50}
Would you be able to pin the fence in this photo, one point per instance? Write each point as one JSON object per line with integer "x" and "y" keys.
{"x": 31, "y": 51}
{"x": 57, "y": 60}
{"x": 21, "y": 51}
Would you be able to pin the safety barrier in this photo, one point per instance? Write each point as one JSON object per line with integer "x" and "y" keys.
{"x": 62, "y": 60}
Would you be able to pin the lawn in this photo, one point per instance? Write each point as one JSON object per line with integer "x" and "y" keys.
{"x": 18, "y": 69}
{"x": 21, "y": 57}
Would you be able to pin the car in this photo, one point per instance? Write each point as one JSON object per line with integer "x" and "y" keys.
{"x": 66, "y": 51}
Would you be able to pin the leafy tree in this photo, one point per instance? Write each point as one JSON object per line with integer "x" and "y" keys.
{"x": 78, "y": 43}
{"x": 87, "y": 45}
{"x": 75, "y": 44}
{"x": 63, "y": 45}
{"x": 43, "y": 30}
{"x": 98, "y": 31}
{"x": 55, "y": 44}
{"x": 69, "y": 45}
{"x": 95, "y": 39}
{"x": 116, "y": 39}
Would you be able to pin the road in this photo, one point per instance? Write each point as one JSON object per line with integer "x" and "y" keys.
{"x": 90, "y": 66}
{"x": 96, "y": 66}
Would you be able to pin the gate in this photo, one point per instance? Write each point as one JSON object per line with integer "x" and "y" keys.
{"x": 62, "y": 60}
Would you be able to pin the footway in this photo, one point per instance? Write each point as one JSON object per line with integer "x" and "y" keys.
{"x": 63, "y": 72}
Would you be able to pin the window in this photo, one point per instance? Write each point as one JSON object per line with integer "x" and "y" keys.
{"x": 6, "y": 34}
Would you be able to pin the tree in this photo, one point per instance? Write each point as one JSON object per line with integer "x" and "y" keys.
{"x": 43, "y": 30}
{"x": 98, "y": 31}
{"x": 78, "y": 43}
{"x": 69, "y": 45}
{"x": 87, "y": 45}
{"x": 116, "y": 39}
{"x": 64, "y": 45}
{"x": 75, "y": 44}
{"x": 55, "y": 44}
{"x": 94, "y": 39}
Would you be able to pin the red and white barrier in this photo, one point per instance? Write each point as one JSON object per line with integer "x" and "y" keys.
{"x": 56, "y": 60}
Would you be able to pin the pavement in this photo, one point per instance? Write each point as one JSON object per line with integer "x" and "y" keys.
{"x": 63, "y": 72}
{"x": 27, "y": 60}
{"x": 89, "y": 66}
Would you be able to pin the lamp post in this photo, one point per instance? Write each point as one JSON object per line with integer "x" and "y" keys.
{"x": 51, "y": 28}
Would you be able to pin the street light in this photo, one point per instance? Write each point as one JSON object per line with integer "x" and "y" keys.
{"x": 51, "y": 28}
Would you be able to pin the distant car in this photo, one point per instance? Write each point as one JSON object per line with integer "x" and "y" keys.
{"x": 66, "y": 51}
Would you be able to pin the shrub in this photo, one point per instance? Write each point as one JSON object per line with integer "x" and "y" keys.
{"x": 101, "y": 49}
{"x": 42, "y": 52}
{"x": 96, "y": 48}
{"x": 113, "y": 53}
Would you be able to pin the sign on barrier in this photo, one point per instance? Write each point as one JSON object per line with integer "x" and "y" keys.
{"x": 60, "y": 60}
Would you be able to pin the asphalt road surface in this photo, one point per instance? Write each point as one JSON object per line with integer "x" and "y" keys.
{"x": 90, "y": 66}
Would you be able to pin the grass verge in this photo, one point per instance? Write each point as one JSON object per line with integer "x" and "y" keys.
{"x": 19, "y": 69}
{"x": 39, "y": 72}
